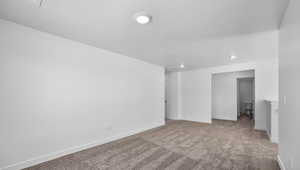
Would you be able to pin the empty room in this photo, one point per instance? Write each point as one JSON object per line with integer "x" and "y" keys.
{"x": 149, "y": 85}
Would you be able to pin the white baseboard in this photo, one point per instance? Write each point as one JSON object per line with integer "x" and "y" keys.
{"x": 221, "y": 117}
{"x": 269, "y": 135}
{"x": 193, "y": 120}
{"x": 260, "y": 129}
{"x": 273, "y": 139}
{"x": 173, "y": 118}
{"x": 54, "y": 155}
{"x": 281, "y": 165}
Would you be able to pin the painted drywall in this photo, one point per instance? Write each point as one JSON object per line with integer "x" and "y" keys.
{"x": 224, "y": 94}
{"x": 266, "y": 87}
{"x": 196, "y": 84}
{"x": 172, "y": 95}
{"x": 59, "y": 96}
{"x": 289, "y": 83}
{"x": 196, "y": 96}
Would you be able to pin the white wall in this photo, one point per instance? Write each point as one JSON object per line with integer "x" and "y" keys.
{"x": 172, "y": 95}
{"x": 196, "y": 96}
{"x": 195, "y": 85}
{"x": 58, "y": 96}
{"x": 224, "y": 94}
{"x": 289, "y": 69}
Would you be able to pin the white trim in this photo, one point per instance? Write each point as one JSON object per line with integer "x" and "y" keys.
{"x": 193, "y": 120}
{"x": 273, "y": 139}
{"x": 179, "y": 96}
{"x": 281, "y": 165}
{"x": 269, "y": 135}
{"x": 54, "y": 155}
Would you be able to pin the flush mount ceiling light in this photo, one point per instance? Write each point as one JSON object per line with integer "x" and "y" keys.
{"x": 142, "y": 18}
{"x": 233, "y": 57}
{"x": 181, "y": 65}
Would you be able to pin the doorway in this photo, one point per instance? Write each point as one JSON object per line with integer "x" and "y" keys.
{"x": 246, "y": 97}
{"x": 230, "y": 97}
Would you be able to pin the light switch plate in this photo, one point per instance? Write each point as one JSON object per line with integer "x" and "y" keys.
{"x": 284, "y": 99}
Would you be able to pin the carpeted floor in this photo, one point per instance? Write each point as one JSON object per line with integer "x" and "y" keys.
{"x": 181, "y": 145}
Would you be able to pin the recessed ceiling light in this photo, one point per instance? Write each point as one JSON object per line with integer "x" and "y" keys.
{"x": 233, "y": 57}
{"x": 142, "y": 18}
{"x": 181, "y": 65}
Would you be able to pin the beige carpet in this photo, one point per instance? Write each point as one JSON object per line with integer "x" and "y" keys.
{"x": 182, "y": 145}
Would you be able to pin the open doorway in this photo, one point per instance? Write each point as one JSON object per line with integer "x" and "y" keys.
{"x": 233, "y": 95}
{"x": 246, "y": 97}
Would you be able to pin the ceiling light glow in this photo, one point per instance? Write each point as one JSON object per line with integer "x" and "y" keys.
{"x": 181, "y": 65}
{"x": 142, "y": 18}
{"x": 233, "y": 57}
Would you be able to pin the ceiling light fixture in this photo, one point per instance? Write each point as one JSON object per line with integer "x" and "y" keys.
{"x": 181, "y": 65}
{"x": 233, "y": 57}
{"x": 142, "y": 18}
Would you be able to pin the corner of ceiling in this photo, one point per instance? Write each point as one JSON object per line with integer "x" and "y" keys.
{"x": 283, "y": 13}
